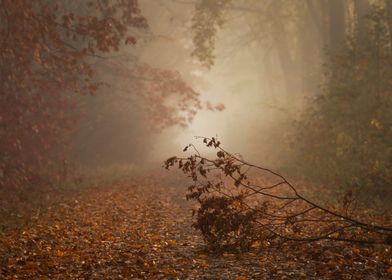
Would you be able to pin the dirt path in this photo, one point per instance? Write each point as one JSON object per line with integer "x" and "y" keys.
{"x": 140, "y": 229}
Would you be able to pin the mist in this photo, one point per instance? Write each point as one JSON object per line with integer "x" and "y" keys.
{"x": 262, "y": 97}
{"x": 297, "y": 86}
{"x": 195, "y": 139}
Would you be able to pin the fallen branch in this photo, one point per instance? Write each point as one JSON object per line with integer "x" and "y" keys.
{"x": 236, "y": 210}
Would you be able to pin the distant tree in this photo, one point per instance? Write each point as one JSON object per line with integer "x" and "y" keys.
{"x": 297, "y": 33}
{"x": 344, "y": 135}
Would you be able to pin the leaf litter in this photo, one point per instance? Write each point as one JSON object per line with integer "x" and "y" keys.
{"x": 141, "y": 229}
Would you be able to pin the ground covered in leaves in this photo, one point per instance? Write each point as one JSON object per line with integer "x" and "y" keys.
{"x": 140, "y": 229}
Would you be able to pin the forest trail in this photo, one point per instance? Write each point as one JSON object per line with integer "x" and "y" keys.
{"x": 140, "y": 229}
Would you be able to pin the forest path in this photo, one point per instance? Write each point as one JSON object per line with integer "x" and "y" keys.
{"x": 140, "y": 229}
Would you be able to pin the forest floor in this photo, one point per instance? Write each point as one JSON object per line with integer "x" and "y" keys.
{"x": 141, "y": 229}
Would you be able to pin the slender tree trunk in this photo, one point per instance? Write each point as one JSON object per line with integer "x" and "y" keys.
{"x": 362, "y": 7}
{"x": 290, "y": 69}
{"x": 311, "y": 45}
{"x": 389, "y": 13}
{"x": 337, "y": 25}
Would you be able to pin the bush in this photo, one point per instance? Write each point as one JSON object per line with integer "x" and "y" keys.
{"x": 344, "y": 137}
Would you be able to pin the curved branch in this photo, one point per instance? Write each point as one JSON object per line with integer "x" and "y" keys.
{"x": 290, "y": 212}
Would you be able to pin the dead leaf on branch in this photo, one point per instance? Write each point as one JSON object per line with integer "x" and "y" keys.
{"x": 236, "y": 217}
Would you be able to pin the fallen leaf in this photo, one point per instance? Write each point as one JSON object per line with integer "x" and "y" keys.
{"x": 256, "y": 244}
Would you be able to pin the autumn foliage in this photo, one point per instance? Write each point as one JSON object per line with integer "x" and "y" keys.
{"x": 168, "y": 99}
{"x": 53, "y": 52}
{"x": 139, "y": 228}
{"x": 44, "y": 54}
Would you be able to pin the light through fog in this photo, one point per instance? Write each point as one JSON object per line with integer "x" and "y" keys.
{"x": 247, "y": 77}
{"x": 140, "y": 96}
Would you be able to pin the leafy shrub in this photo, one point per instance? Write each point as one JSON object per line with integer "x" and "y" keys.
{"x": 344, "y": 137}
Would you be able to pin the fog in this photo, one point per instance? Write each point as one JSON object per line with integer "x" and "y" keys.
{"x": 297, "y": 80}
{"x": 247, "y": 77}
{"x": 269, "y": 120}
{"x": 298, "y": 86}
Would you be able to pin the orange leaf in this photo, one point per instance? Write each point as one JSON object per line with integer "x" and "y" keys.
{"x": 256, "y": 244}
{"x": 172, "y": 242}
{"x": 170, "y": 271}
{"x": 60, "y": 253}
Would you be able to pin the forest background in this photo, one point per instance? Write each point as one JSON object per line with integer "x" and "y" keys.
{"x": 112, "y": 86}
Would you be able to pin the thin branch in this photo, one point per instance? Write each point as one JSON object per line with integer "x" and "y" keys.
{"x": 281, "y": 222}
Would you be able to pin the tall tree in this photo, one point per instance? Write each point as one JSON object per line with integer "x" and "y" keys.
{"x": 337, "y": 25}
{"x": 296, "y": 31}
{"x": 51, "y": 53}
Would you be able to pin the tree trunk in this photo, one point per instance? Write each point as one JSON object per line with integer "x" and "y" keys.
{"x": 362, "y": 7}
{"x": 389, "y": 13}
{"x": 337, "y": 26}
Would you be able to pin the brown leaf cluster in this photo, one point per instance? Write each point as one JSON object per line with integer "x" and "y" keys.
{"x": 140, "y": 229}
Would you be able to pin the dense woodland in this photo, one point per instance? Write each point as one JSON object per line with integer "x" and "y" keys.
{"x": 289, "y": 176}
